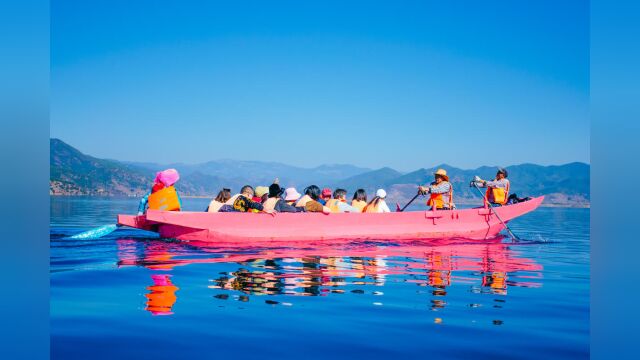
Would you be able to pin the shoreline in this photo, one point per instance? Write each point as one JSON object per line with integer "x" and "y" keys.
{"x": 544, "y": 204}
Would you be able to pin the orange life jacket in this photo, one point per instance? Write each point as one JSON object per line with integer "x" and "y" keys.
{"x": 370, "y": 208}
{"x": 500, "y": 195}
{"x": 437, "y": 200}
{"x": 165, "y": 199}
{"x": 359, "y": 204}
{"x": 332, "y": 204}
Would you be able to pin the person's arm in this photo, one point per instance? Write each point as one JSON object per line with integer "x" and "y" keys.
{"x": 143, "y": 203}
{"x": 254, "y": 205}
{"x": 344, "y": 207}
{"x": 282, "y": 206}
{"x": 440, "y": 189}
{"x": 496, "y": 184}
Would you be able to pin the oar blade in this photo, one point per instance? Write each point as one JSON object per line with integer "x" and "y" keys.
{"x": 95, "y": 233}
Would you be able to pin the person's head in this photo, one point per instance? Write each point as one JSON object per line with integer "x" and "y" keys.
{"x": 167, "y": 177}
{"x": 223, "y": 195}
{"x": 360, "y": 195}
{"x": 440, "y": 176}
{"x": 262, "y": 192}
{"x": 247, "y": 191}
{"x": 275, "y": 191}
{"x": 340, "y": 194}
{"x": 313, "y": 192}
{"x": 326, "y": 193}
{"x": 291, "y": 194}
{"x": 501, "y": 174}
{"x": 381, "y": 193}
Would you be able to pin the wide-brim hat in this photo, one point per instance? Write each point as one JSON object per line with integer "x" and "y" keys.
{"x": 291, "y": 194}
{"x": 443, "y": 173}
{"x": 275, "y": 190}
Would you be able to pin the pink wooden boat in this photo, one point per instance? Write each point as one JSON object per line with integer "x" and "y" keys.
{"x": 474, "y": 224}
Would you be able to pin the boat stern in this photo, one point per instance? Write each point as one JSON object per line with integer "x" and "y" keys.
{"x": 135, "y": 221}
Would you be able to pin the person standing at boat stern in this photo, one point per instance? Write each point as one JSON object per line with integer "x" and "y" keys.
{"x": 498, "y": 189}
{"x": 440, "y": 191}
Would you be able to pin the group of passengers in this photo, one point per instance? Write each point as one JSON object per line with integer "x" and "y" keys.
{"x": 276, "y": 199}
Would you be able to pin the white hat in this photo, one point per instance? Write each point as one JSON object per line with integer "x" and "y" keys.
{"x": 381, "y": 193}
{"x": 291, "y": 194}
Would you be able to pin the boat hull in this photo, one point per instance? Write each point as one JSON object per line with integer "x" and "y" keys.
{"x": 474, "y": 224}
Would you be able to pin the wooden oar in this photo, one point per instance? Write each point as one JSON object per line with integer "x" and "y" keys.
{"x": 398, "y": 209}
{"x": 513, "y": 236}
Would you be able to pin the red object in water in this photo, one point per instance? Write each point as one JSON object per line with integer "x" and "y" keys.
{"x": 474, "y": 224}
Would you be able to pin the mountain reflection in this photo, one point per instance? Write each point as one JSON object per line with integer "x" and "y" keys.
{"x": 324, "y": 269}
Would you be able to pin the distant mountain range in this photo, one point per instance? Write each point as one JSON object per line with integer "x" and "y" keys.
{"x": 74, "y": 173}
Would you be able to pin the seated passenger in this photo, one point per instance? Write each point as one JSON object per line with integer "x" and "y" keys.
{"x": 339, "y": 202}
{"x": 310, "y": 200}
{"x": 276, "y": 203}
{"x": 498, "y": 189}
{"x": 291, "y": 195}
{"x": 359, "y": 199}
{"x": 325, "y": 196}
{"x": 223, "y": 196}
{"x": 378, "y": 204}
{"x": 162, "y": 195}
{"x": 441, "y": 191}
{"x": 261, "y": 194}
{"x": 242, "y": 202}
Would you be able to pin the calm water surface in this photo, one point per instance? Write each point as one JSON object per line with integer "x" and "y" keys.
{"x": 133, "y": 296}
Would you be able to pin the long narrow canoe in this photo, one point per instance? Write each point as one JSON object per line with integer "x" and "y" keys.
{"x": 230, "y": 227}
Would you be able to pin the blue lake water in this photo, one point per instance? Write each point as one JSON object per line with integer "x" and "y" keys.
{"x": 132, "y": 295}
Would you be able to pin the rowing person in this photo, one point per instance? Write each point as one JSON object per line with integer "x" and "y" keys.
{"x": 440, "y": 190}
{"x": 498, "y": 189}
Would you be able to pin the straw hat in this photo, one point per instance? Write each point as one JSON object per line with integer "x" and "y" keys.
{"x": 443, "y": 173}
{"x": 261, "y": 190}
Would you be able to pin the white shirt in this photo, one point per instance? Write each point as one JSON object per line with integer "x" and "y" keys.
{"x": 382, "y": 206}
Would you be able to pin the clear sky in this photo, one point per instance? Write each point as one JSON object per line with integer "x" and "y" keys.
{"x": 405, "y": 84}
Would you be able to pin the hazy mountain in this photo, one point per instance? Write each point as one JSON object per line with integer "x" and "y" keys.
{"x": 369, "y": 180}
{"x": 258, "y": 172}
{"x": 74, "y": 173}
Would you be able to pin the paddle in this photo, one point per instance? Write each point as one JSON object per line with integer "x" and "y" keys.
{"x": 398, "y": 209}
{"x": 475, "y": 185}
{"x": 95, "y": 233}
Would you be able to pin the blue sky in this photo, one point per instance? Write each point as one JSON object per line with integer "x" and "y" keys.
{"x": 405, "y": 84}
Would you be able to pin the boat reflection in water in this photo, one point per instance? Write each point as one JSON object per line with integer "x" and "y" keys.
{"x": 305, "y": 269}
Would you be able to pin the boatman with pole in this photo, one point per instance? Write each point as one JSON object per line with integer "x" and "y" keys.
{"x": 498, "y": 189}
{"x": 441, "y": 191}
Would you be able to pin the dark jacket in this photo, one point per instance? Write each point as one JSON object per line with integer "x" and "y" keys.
{"x": 282, "y": 206}
{"x": 243, "y": 204}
